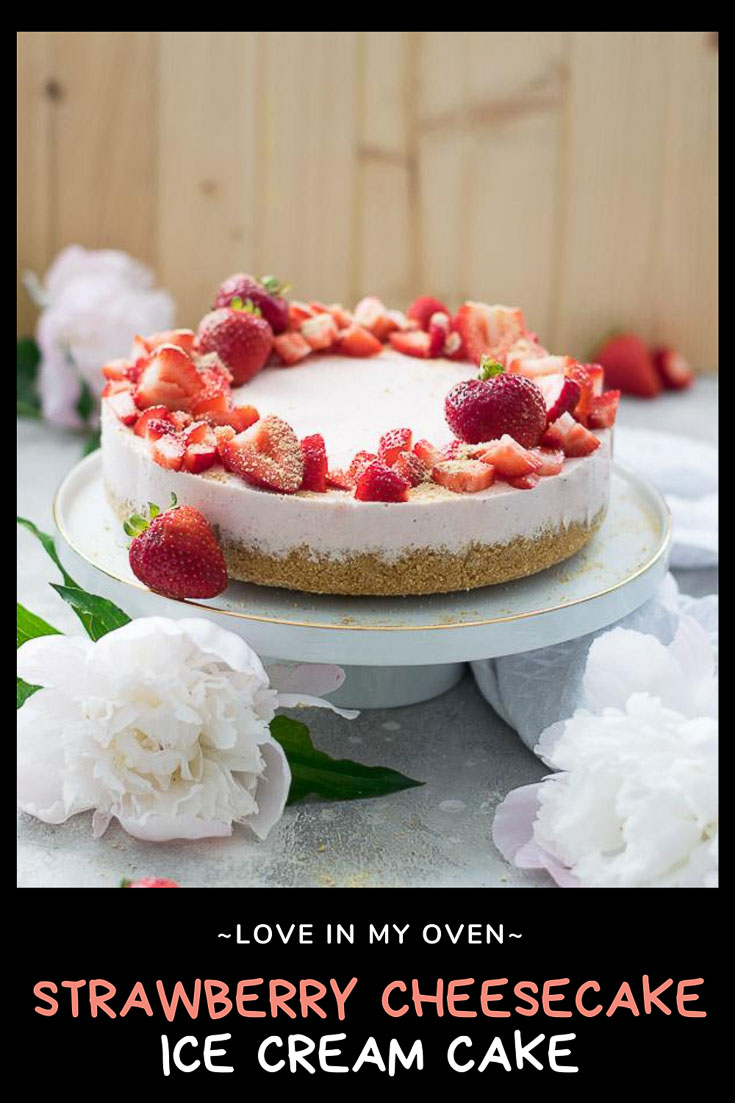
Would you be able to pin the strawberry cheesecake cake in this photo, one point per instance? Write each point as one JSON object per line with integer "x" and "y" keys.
{"x": 363, "y": 451}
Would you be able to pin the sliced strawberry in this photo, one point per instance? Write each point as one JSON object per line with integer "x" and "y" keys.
{"x": 139, "y": 350}
{"x": 525, "y": 482}
{"x": 117, "y": 369}
{"x": 509, "y": 458}
{"x": 291, "y": 347}
{"x": 320, "y": 332}
{"x": 629, "y": 366}
{"x": 268, "y": 454}
{"x": 168, "y": 379}
{"x": 116, "y": 386}
{"x": 550, "y": 461}
{"x": 380, "y": 483}
{"x": 357, "y": 341}
{"x": 464, "y": 476}
{"x": 183, "y": 338}
{"x": 314, "y": 455}
{"x": 673, "y": 369}
{"x": 604, "y": 410}
{"x": 169, "y": 451}
{"x": 597, "y": 375}
{"x": 439, "y": 333}
{"x": 152, "y": 414}
{"x": 123, "y": 405}
{"x": 453, "y": 347}
{"x": 411, "y": 468}
{"x": 427, "y": 452}
{"x": 572, "y": 437}
{"x": 360, "y": 461}
{"x": 373, "y": 314}
{"x": 412, "y": 343}
{"x": 393, "y": 443}
{"x": 240, "y": 418}
{"x": 564, "y": 397}
{"x": 536, "y": 367}
{"x": 421, "y": 310}
{"x": 340, "y": 480}
{"x": 298, "y": 312}
{"x": 488, "y": 330}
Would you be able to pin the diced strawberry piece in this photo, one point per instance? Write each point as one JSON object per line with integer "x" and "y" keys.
{"x": 488, "y": 330}
{"x": 199, "y": 457}
{"x": 183, "y": 338}
{"x": 629, "y": 366}
{"x": 580, "y": 375}
{"x": 550, "y": 461}
{"x": 291, "y": 347}
{"x": 422, "y": 309}
{"x": 439, "y": 332}
{"x": 168, "y": 379}
{"x": 123, "y": 405}
{"x": 412, "y": 343}
{"x": 149, "y": 416}
{"x": 380, "y": 483}
{"x": 240, "y": 418}
{"x": 525, "y": 482}
{"x": 117, "y": 369}
{"x": 604, "y": 410}
{"x": 216, "y": 392}
{"x": 180, "y": 419}
{"x": 357, "y": 341}
{"x": 320, "y": 332}
{"x": 453, "y": 347}
{"x": 597, "y": 377}
{"x": 464, "y": 476}
{"x": 340, "y": 480}
{"x": 139, "y": 350}
{"x": 298, "y": 312}
{"x": 564, "y": 397}
{"x": 411, "y": 468}
{"x": 373, "y": 315}
{"x": 393, "y": 443}
{"x": 535, "y": 367}
{"x": 427, "y": 453}
{"x": 268, "y": 454}
{"x": 455, "y": 450}
{"x": 674, "y": 370}
{"x": 509, "y": 458}
{"x": 343, "y": 318}
{"x": 314, "y": 455}
{"x": 199, "y": 433}
{"x": 360, "y": 461}
{"x": 116, "y": 386}
{"x": 169, "y": 451}
{"x": 525, "y": 348}
{"x": 572, "y": 437}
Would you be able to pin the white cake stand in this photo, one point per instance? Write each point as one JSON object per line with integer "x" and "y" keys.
{"x": 395, "y": 651}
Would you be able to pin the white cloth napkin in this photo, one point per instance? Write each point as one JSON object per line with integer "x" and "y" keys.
{"x": 685, "y": 472}
{"x": 531, "y": 691}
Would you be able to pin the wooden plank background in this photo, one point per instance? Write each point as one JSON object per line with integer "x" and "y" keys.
{"x": 572, "y": 173}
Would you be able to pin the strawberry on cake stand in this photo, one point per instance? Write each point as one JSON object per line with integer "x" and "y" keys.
{"x": 398, "y": 493}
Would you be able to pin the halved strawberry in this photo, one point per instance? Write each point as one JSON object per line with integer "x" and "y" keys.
{"x": 380, "y": 483}
{"x": 412, "y": 342}
{"x": 117, "y": 369}
{"x": 427, "y": 452}
{"x": 123, "y": 405}
{"x": 357, "y": 341}
{"x": 572, "y": 437}
{"x": 169, "y": 451}
{"x": 268, "y": 454}
{"x": 393, "y": 443}
{"x": 629, "y": 366}
{"x": 320, "y": 332}
{"x": 291, "y": 347}
{"x": 464, "y": 476}
{"x": 525, "y": 482}
{"x": 411, "y": 468}
{"x": 314, "y": 455}
{"x": 373, "y": 314}
{"x": 240, "y": 418}
{"x": 168, "y": 379}
{"x": 509, "y": 458}
{"x": 550, "y": 461}
{"x": 604, "y": 410}
{"x": 562, "y": 398}
{"x": 674, "y": 370}
{"x": 154, "y": 414}
{"x": 439, "y": 332}
{"x": 488, "y": 330}
{"x": 422, "y": 309}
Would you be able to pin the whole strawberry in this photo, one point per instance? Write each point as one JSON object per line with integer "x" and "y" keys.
{"x": 266, "y": 294}
{"x": 487, "y": 408}
{"x": 241, "y": 338}
{"x": 176, "y": 554}
{"x": 150, "y": 883}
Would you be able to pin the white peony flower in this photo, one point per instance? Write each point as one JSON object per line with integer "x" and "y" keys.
{"x": 635, "y": 803}
{"x": 94, "y": 302}
{"x": 162, "y": 724}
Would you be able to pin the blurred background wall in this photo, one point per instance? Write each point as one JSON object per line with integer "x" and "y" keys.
{"x": 572, "y": 173}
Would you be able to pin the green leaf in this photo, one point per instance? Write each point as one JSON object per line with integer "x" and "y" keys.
{"x": 28, "y": 403}
{"x": 489, "y": 368}
{"x": 29, "y": 626}
{"x": 24, "y": 691}
{"x": 85, "y": 402}
{"x": 98, "y": 615}
{"x": 314, "y": 772}
{"x": 92, "y": 443}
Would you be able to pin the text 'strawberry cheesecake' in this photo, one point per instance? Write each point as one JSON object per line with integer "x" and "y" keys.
{"x": 362, "y": 452}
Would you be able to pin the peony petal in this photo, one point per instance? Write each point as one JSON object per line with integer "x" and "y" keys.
{"x": 161, "y": 829}
{"x": 622, "y": 662}
{"x": 273, "y": 788}
{"x": 513, "y": 822}
{"x": 53, "y": 660}
{"x": 312, "y": 678}
{"x": 303, "y": 701}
